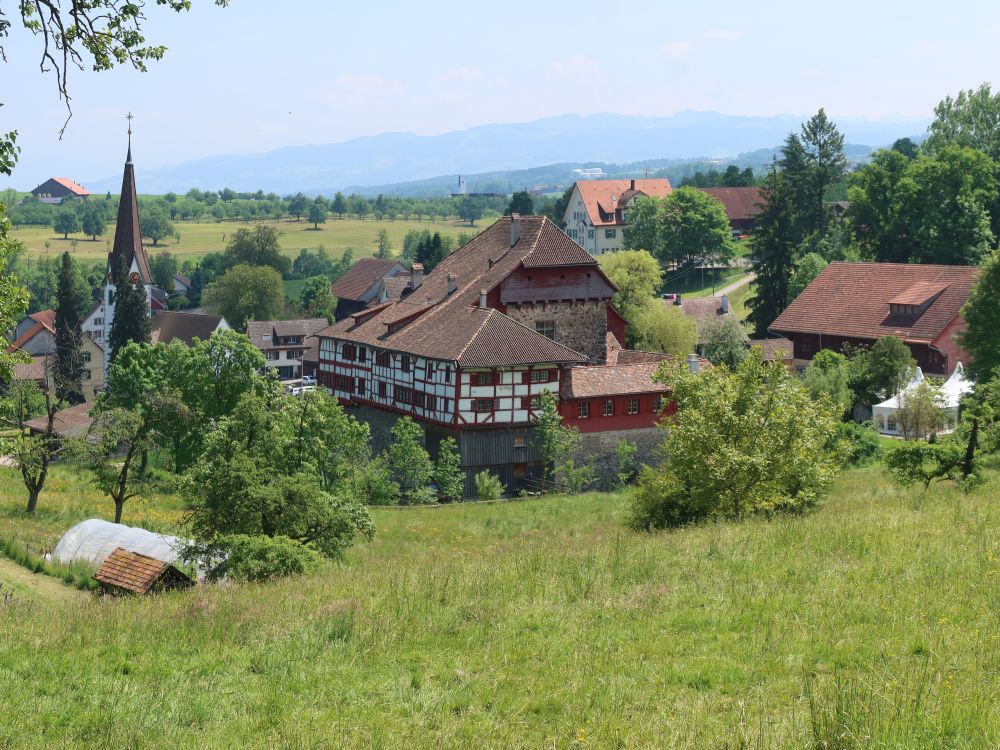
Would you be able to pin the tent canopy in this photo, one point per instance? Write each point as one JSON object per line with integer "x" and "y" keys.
{"x": 91, "y": 541}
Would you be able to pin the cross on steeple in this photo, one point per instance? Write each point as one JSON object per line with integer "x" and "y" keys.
{"x": 129, "y": 117}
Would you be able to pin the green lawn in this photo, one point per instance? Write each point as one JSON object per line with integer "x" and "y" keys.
{"x": 197, "y": 239}
{"x": 871, "y": 622}
{"x": 695, "y": 282}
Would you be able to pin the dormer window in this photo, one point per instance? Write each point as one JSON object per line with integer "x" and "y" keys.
{"x": 913, "y": 302}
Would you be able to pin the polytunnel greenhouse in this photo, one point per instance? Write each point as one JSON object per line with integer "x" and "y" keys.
{"x": 91, "y": 541}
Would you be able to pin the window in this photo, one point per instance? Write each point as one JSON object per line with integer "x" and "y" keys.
{"x": 531, "y": 402}
{"x": 658, "y": 404}
{"x": 420, "y": 399}
{"x": 402, "y": 395}
{"x": 583, "y": 410}
{"x": 484, "y": 378}
{"x": 483, "y": 404}
{"x": 447, "y": 374}
{"x": 404, "y": 363}
{"x": 86, "y": 357}
{"x": 890, "y": 423}
{"x": 429, "y": 370}
{"x": 266, "y": 337}
{"x": 349, "y": 352}
{"x": 520, "y": 441}
{"x": 610, "y": 234}
{"x": 633, "y": 406}
{"x": 382, "y": 359}
{"x": 547, "y": 328}
{"x": 294, "y": 354}
{"x": 539, "y": 376}
{"x": 609, "y": 408}
{"x": 86, "y": 374}
{"x": 362, "y": 354}
{"x": 590, "y": 234}
{"x": 272, "y": 354}
{"x": 381, "y": 388}
{"x": 432, "y": 404}
{"x": 361, "y": 386}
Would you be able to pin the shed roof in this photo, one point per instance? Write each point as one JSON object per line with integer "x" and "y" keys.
{"x": 71, "y": 422}
{"x": 132, "y": 571}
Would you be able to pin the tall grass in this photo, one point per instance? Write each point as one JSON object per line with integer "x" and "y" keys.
{"x": 78, "y": 575}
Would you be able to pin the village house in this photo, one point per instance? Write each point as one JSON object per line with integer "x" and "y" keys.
{"x": 703, "y": 310}
{"x": 856, "y": 304}
{"x": 37, "y": 338}
{"x": 284, "y": 343}
{"x": 598, "y": 209}
{"x": 55, "y": 189}
{"x": 361, "y": 284}
{"x": 742, "y": 205}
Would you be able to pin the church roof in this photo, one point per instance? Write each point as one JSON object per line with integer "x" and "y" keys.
{"x": 128, "y": 237}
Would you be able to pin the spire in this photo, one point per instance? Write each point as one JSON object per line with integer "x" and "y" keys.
{"x": 128, "y": 239}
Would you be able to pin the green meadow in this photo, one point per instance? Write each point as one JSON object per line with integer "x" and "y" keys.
{"x": 200, "y": 238}
{"x": 870, "y": 622}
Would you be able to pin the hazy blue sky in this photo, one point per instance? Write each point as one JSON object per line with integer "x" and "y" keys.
{"x": 263, "y": 74}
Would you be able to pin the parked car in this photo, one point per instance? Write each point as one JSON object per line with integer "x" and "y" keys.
{"x": 308, "y": 380}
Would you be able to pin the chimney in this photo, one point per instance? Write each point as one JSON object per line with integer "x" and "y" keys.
{"x": 725, "y": 304}
{"x": 452, "y": 283}
{"x": 515, "y": 228}
{"x": 482, "y": 299}
{"x": 632, "y": 185}
{"x": 416, "y": 276}
{"x": 693, "y": 364}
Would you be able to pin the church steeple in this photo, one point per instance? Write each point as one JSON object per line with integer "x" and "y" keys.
{"x": 128, "y": 238}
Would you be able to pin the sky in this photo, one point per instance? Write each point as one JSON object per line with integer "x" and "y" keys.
{"x": 260, "y": 75}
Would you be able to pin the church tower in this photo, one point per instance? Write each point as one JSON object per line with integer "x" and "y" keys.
{"x": 128, "y": 246}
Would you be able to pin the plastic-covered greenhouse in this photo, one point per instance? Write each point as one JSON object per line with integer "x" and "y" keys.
{"x": 91, "y": 541}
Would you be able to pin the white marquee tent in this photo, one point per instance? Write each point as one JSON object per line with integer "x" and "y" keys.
{"x": 886, "y": 414}
{"x": 93, "y": 540}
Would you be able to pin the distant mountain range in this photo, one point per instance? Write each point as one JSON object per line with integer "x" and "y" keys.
{"x": 565, "y": 142}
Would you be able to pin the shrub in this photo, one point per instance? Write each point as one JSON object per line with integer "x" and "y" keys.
{"x": 918, "y": 462}
{"x": 860, "y": 443}
{"x": 628, "y": 467}
{"x": 488, "y": 486}
{"x": 421, "y": 496}
{"x": 261, "y": 558}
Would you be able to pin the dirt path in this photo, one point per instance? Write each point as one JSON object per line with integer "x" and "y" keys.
{"x": 742, "y": 281}
{"x": 28, "y": 586}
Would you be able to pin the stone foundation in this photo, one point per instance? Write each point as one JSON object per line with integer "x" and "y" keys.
{"x": 598, "y": 450}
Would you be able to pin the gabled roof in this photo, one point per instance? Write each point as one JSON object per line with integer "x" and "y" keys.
{"x": 45, "y": 320}
{"x": 257, "y": 329}
{"x": 167, "y": 325}
{"x": 702, "y": 309}
{"x": 592, "y": 381}
{"x": 71, "y": 422}
{"x": 602, "y": 198}
{"x": 361, "y": 277}
{"x": 128, "y": 236}
{"x": 71, "y": 185}
{"x": 741, "y": 203}
{"x": 452, "y": 326}
{"x": 131, "y": 571}
{"x": 182, "y": 279}
{"x": 852, "y": 300}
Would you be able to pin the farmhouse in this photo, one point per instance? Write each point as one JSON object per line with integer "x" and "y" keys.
{"x": 54, "y": 189}
{"x": 742, "y": 205}
{"x": 469, "y": 349}
{"x": 597, "y": 210}
{"x": 360, "y": 285}
{"x": 858, "y": 303}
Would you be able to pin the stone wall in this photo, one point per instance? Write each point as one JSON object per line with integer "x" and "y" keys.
{"x": 582, "y": 326}
{"x": 597, "y": 449}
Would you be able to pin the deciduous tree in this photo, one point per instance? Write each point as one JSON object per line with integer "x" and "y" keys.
{"x": 659, "y": 327}
{"x": 638, "y": 276}
{"x": 257, "y": 247}
{"x": 246, "y": 293}
{"x": 316, "y": 299}
{"x": 66, "y": 222}
{"x": 724, "y": 341}
{"x": 982, "y": 317}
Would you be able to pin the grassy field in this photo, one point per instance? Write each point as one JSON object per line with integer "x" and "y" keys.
{"x": 869, "y": 623}
{"x": 197, "y": 239}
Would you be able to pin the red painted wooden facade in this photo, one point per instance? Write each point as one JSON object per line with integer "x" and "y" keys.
{"x": 632, "y": 412}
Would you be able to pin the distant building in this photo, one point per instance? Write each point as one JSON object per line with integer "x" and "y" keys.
{"x": 35, "y": 334}
{"x": 169, "y": 325}
{"x": 703, "y": 310}
{"x": 54, "y": 189}
{"x": 360, "y": 285}
{"x": 858, "y": 303}
{"x": 37, "y": 338}
{"x": 285, "y": 343}
{"x": 742, "y": 205}
{"x": 597, "y": 211}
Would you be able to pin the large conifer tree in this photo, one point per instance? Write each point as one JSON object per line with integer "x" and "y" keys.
{"x": 69, "y": 337}
{"x": 774, "y": 245}
{"x": 131, "y": 321}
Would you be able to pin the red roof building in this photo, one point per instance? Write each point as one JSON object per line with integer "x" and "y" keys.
{"x": 858, "y": 303}
{"x": 55, "y": 189}
{"x": 742, "y": 205}
{"x": 597, "y": 210}
{"x": 359, "y": 287}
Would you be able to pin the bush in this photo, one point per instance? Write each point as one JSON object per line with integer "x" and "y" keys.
{"x": 488, "y": 486}
{"x": 860, "y": 443}
{"x": 421, "y": 496}
{"x": 261, "y": 558}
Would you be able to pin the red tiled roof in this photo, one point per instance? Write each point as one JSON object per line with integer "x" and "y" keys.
{"x": 257, "y": 329}
{"x": 71, "y": 422}
{"x": 591, "y": 381}
{"x": 780, "y": 348}
{"x": 131, "y": 571}
{"x": 601, "y": 198}
{"x": 741, "y": 203}
{"x": 360, "y": 277}
{"x": 71, "y": 185}
{"x": 852, "y": 300}
{"x": 169, "y": 325}
{"x": 46, "y": 317}
{"x": 454, "y": 328}
{"x": 702, "y": 309}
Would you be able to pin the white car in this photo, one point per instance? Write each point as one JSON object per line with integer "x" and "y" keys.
{"x": 308, "y": 380}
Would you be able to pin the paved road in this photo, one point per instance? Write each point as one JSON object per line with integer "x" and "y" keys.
{"x": 736, "y": 284}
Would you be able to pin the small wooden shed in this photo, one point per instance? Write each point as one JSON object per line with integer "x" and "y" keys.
{"x": 124, "y": 572}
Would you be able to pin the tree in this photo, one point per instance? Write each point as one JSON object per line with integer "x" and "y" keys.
{"x": 69, "y": 337}
{"x": 155, "y": 224}
{"x": 982, "y": 317}
{"x": 969, "y": 119}
{"x": 773, "y": 251}
{"x": 906, "y": 147}
{"x": 256, "y": 247}
{"x": 298, "y": 204}
{"x": 557, "y": 444}
{"x": 163, "y": 268}
{"x": 93, "y": 221}
{"x": 448, "y": 474}
{"x": 520, "y": 203}
{"x": 13, "y": 299}
{"x": 824, "y": 150}
{"x": 30, "y": 454}
{"x": 409, "y": 462}
{"x": 471, "y": 209}
{"x": 724, "y": 341}
{"x": 891, "y": 366}
{"x": 254, "y": 479}
{"x": 642, "y": 230}
{"x": 430, "y": 251}
{"x": 339, "y": 205}
{"x": 383, "y": 245}
{"x": 659, "y": 327}
{"x": 245, "y": 293}
{"x": 829, "y": 376}
{"x": 913, "y": 462}
{"x": 131, "y": 317}
{"x": 66, "y": 222}
{"x": 693, "y": 228}
{"x": 118, "y": 439}
{"x": 317, "y": 213}
{"x": 557, "y": 210}
{"x": 316, "y": 300}
{"x": 638, "y": 276}
{"x": 881, "y": 227}
{"x": 920, "y": 411}
{"x": 381, "y": 206}
{"x": 809, "y": 266}
{"x": 746, "y": 441}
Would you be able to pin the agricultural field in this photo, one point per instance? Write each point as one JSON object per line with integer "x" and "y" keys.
{"x": 871, "y": 622}
{"x": 197, "y": 239}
